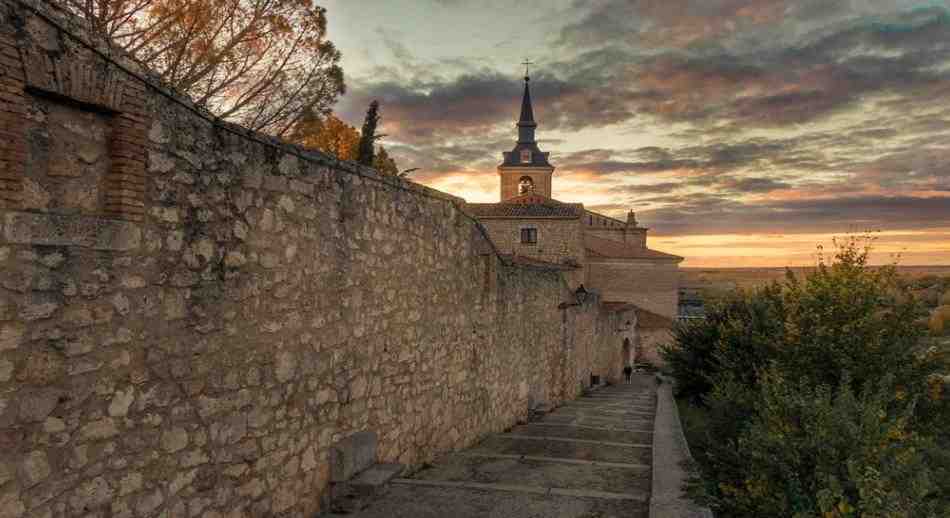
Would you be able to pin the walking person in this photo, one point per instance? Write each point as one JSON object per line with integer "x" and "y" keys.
{"x": 628, "y": 372}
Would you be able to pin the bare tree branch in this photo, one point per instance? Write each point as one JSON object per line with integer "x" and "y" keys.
{"x": 261, "y": 63}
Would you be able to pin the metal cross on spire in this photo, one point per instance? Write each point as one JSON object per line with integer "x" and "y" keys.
{"x": 527, "y": 63}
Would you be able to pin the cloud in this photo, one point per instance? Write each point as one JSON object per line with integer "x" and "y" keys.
{"x": 710, "y": 214}
{"x": 676, "y": 23}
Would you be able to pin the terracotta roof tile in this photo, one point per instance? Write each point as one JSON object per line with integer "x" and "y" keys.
{"x": 526, "y": 206}
{"x": 600, "y": 247}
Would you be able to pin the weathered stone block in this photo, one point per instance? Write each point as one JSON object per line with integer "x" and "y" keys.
{"x": 174, "y": 439}
{"x": 11, "y": 335}
{"x": 352, "y": 455}
{"x": 36, "y": 406}
{"x": 35, "y": 468}
{"x": 59, "y": 230}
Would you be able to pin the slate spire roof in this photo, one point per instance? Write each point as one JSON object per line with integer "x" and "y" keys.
{"x": 527, "y": 112}
{"x": 526, "y": 139}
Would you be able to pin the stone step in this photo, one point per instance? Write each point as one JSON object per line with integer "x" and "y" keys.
{"x": 415, "y": 500}
{"x": 602, "y": 413}
{"x": 584, "y": 432}
{"x": 639, "y": 426}
{"x": 600, "y": 422}
{"x": 537, "y": 473}
{"x": 569, "y": 439}
{"x": 357, "y": 493}
{"x": 564, "y": 449}
{"x": 583, "y": 403}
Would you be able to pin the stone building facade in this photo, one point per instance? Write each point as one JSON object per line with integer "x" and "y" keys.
{"x": 192, "y": 314}
{"x": 610, "y": 256}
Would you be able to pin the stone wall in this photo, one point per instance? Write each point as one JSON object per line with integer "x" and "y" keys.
{"x": 649, "y": 284}
{"x": 636, "y": 236}
{"x": 650, "y": 341}
{"x": 190, "y": 315}
{"x": 559, "y": 240}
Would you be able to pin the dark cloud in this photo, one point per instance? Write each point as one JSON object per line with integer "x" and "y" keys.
{"x": 706, "y": 160}
{"x": 677, "y": 23}
{"x": 710, "y": 214}
{"x": 751, "y": 185}
{"x": 652, "y": 188}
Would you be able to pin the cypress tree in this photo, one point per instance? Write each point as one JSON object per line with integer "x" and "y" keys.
{"x": 368, "y": 135}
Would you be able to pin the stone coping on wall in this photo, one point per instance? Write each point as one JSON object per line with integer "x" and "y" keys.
{"x": 670, "y": 456}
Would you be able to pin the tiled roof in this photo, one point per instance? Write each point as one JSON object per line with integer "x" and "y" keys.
{"x": 526, "y": 206}
{"x": 600, "y": 247}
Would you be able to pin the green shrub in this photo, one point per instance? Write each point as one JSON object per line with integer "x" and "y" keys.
{"x": 809, "y": 451}
{"x": 785, "y": 434}
{"x": 845, "y": 316}
{"x": 842, "y": 316}
{"x": 737, "y": 335}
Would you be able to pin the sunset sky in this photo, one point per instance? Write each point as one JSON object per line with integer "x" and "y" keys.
{"x": 743, "y": 132}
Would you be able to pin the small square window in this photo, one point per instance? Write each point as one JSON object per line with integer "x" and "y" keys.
{"x": 529, "y": 235}
{"x": 525, "y": 155}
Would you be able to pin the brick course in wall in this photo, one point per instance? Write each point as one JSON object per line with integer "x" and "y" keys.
{"x": 233, "y": 306}
{"x": 36, "y": 62}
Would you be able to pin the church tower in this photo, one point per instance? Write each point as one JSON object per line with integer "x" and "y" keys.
{"x": 525, "y": 168}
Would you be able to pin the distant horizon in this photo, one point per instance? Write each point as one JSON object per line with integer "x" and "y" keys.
{"x": 803, "y": 266}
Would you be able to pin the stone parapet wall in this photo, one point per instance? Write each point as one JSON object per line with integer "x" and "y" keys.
{"x": 636, "y": 237}
{"x": 191, "y": 315}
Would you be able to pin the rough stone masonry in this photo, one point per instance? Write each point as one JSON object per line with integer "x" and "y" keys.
{"x": 191, "y": 314}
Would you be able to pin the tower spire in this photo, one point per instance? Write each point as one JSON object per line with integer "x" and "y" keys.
{"x": 526, "y": 124}
{"x": 525, "y": 168}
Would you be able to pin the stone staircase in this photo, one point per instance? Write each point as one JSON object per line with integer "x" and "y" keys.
{"x": 591, "y": 457}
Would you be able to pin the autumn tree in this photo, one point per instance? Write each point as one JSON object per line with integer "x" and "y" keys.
{"x": 334, "y": 137}
{"x": 259, "y": 63}
{"x": 328, "y": 134}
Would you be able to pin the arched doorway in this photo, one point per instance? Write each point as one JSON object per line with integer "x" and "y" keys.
{"x": 627, "y": 358}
